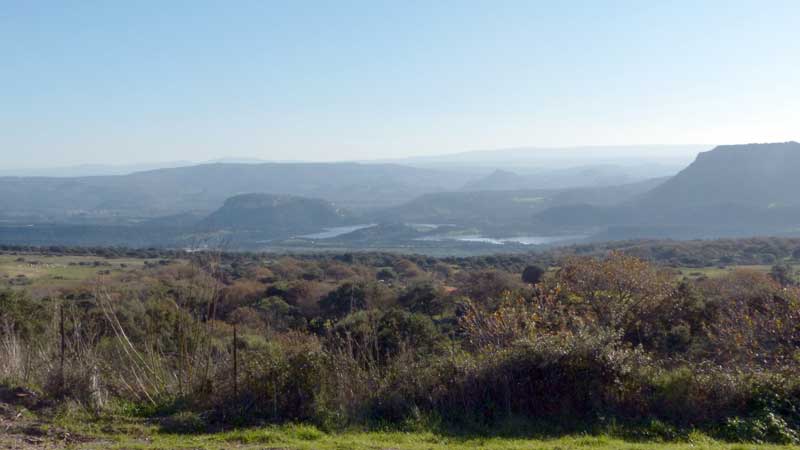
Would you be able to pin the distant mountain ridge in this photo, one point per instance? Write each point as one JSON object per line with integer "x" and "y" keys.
{"x": 730, "y": 190}
{"x": 569, "y": 178}
{"x": 753, "y": 175}
{"x": 206, "y": 187}
{"x": 89, "y": 170}
{"x": 652, "y": 160}
{"x": 510, "y": 209}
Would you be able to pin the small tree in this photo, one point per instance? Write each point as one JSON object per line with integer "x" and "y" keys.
{"x": 421, "y": 298}
{"x": 758, "y": 322}
{"x": 617, "y": 292}
{"x": 386, "y": 274}
{"x": 346, "y": 299}
{"x": 782, "y": 273}
{"x": 532, "y": 274}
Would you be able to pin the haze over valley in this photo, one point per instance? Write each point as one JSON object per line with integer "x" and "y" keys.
{"x": 512, "y": 200}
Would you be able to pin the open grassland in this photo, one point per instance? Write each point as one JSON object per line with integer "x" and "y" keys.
{"x": 304, "y": 438}
{"x": 128, "y": 434}
{"x": 715, "y": 271}
{"x": 36, "y": 270}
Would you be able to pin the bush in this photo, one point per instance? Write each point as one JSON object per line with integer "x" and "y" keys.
{"x": 278, "y": 381}
{"x": 532, "y": 274}
{"x": 184, "y": 422}
{"x": 577, "y": 376}
{"x": 346, "y": 299}
{"x": 761, "y": 428}
{"x": 600, "y": 344}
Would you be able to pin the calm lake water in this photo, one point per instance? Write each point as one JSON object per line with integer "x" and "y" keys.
{"x": 336, "y": 231}
{"x": 524, "y": 240}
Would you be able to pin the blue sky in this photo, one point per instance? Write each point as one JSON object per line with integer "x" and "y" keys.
{"x": 124, "y": 82}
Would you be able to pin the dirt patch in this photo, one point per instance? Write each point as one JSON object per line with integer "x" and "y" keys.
{"x": 21, "y": 429}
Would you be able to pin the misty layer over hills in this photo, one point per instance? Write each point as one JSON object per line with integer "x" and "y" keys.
{"x": 206, "y": 187}
{"x": 524, "y": 159}
{"x": 728, "y": 191}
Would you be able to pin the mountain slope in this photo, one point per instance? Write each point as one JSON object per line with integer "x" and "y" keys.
{"x": 754, "y": 175}
{"x": 499, "y": 180}
{"x": 569, "y": 178}
{"x": 730, "y": 190}
{"x": 511, "y": 209}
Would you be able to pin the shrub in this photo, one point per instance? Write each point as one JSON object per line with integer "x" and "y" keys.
{"x": 346, "y": 299}
{"x": 532, "y": 274}
{"x": 184, "y": 422}
{"x": 277, "y": 381}
{"x": 576, "y": 376}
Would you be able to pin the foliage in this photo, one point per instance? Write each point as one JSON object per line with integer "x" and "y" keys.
{"x": 532, "y": 274}
{"x": 414, "y": 342}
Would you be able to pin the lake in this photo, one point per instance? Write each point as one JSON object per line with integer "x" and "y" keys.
{"x": 524, "y": 240}
{"x": 335, "y": 231}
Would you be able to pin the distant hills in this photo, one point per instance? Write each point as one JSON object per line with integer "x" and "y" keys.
{"x": 733, "y": 190}
{"x": 275, "y": 215}
{"x": 200, "y": 189}
{"x": 205, "y": 188}
{"x": 521, "y": 158}
{"x": 510, "y": 210}
{"x": 89, "y": 170}
{"x": 573, "y": 177}
{"x": 730, "y": 190}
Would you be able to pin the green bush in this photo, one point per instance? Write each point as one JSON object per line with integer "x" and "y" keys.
{"x": 761, "y": 428}
{"x": 579, "y": 377}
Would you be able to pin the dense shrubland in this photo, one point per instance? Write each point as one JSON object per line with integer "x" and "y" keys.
{"x": 697, "y": 253}
{"x": 385, "y": 340}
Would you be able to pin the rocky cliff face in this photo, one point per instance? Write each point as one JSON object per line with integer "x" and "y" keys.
{"x": 753, "y": 175}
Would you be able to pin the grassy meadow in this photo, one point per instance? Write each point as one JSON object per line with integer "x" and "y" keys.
{"x": 308, "y": 438}
{"x": 716, "y": 271}
{"x": 126, "y": 433}
{"x": 32, "y": 270}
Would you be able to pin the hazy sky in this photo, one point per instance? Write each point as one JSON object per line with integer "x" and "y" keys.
{"x": 122, "y": 82}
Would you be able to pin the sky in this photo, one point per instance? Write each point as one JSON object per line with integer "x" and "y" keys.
{"x": 111, "y": 82}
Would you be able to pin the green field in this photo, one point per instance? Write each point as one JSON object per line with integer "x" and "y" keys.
{"x": 127, "y": 435}
{"x": 36, "y": 270}
{"x": 309, "y": 438}
{"x": 713, "y": 271}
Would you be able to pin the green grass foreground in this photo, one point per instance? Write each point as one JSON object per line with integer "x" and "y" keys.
{"x": 126, "y": 434}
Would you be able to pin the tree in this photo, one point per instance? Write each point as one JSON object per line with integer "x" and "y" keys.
{"x": 344, "y": 300}
{"x": 386, "y": 274}
{"x": 782, "y": 273}
{"x": 758, "y": 322}
{"x": 616, "y": 292}
{"x": 532, "y": 274}
{"x": 421, "y": 298}
{"x": 400, "y": 329}
{"x": 486, "y": 285}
